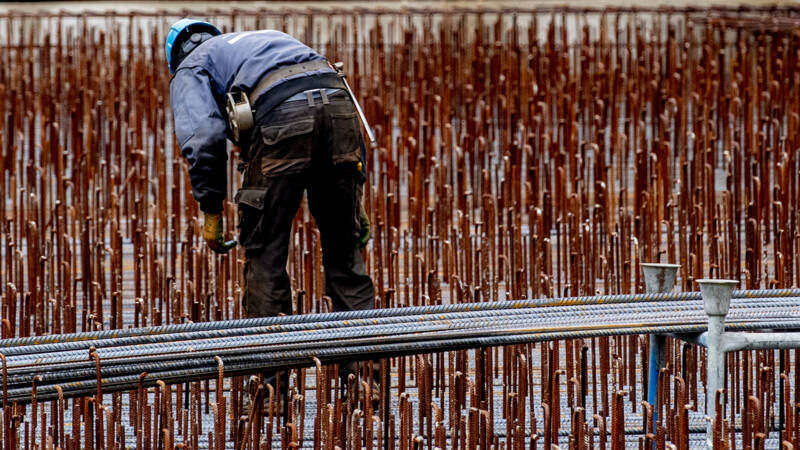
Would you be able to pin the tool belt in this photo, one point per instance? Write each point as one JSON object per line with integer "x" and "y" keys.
{"x": 241, "y": 106}
{"x": 278, "y": 94}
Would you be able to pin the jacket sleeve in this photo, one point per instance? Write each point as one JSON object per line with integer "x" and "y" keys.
{"x": 200, "y": 129}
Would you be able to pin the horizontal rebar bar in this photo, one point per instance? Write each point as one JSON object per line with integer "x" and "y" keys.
{"x": 253, "y": 362}
{"x": 415, "y": 333}
{"x": 84, "y": 339}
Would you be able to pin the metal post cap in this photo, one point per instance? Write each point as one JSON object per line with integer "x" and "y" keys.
{"x": 717, "y": 295}
{"x": 659, "y": 277}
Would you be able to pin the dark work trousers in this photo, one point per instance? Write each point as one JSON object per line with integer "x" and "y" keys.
{"x": 312, "y": 146}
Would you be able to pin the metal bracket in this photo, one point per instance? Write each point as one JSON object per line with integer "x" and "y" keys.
{"x": 240, "y": 115}
{"x": 339, "y": 68}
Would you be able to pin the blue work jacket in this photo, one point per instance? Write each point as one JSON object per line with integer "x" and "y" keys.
{"x": 231, "y": 61}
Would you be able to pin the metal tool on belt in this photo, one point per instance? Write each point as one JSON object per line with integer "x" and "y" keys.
{"x": 239, "y": 112}
{"x": 339, "y": 68}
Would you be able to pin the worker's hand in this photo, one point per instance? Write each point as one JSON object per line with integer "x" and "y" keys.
{"x": 364, "y": 236}
{"x": 212, "y": 233}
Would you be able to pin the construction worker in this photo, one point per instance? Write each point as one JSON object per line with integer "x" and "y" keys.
{"x": 303, "y": 136}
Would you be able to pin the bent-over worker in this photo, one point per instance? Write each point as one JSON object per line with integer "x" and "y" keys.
{"x": 305, "y": 137}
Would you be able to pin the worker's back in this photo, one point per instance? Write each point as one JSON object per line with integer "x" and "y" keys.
{"x": 233, "y": 61}
{"x": 237, "y": 61}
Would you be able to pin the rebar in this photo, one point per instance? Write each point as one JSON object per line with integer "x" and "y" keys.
{"x": 527, "y": 161}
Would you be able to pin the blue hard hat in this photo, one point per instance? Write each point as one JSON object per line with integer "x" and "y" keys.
{"x": 180, "y": 30}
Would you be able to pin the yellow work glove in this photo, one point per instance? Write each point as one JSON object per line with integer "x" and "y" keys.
{"x": 212, "y": 233}
{"x": 364, "y": 235}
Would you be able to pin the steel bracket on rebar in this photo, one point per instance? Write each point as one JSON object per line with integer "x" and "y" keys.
{"x": 716, "y": 301}
{"x": 738, "y": 341}
{"x": 716, "y": 295}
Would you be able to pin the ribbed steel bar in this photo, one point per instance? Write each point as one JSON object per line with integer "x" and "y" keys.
{"x": 520, "y": 317}
{"x": 255, "y": 362}
{"x": 159, "y": 344}
{"x": 309, "y": 322}
{"x": 370, "y": 314}
{"x": 231, "y": 328}
{"x": 50, "y": 373}
{"x": 689, "y": 312}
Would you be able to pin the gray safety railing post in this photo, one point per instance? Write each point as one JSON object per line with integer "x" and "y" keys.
{"x": 658, "y": 278}
{"x": 716, "y": 302}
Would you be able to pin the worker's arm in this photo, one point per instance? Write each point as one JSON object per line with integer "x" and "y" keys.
{"x": 200, "y": 128}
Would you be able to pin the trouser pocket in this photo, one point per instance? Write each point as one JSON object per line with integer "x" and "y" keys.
{"x": 250, "y": 203}
{"x": 286, "y": 146}
{"x": 346, "y": 132}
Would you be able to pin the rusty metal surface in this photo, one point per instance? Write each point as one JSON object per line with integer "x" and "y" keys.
{"x": 521, "y": 154}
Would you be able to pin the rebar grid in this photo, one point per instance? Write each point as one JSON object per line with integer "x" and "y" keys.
{"x": 521, "y": 154}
